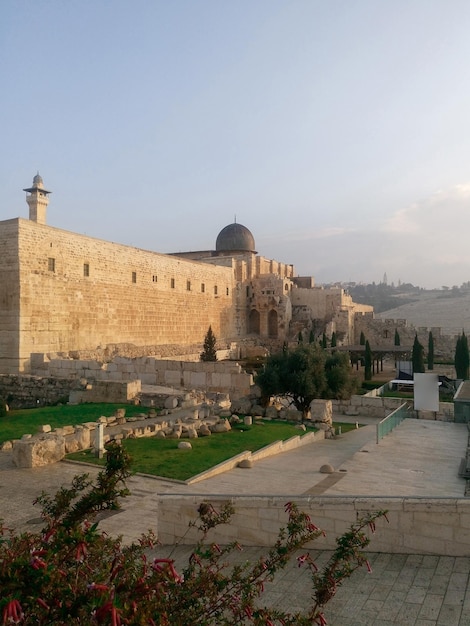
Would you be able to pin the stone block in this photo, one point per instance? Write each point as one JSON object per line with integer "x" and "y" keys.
{"x": 38, "y": 451}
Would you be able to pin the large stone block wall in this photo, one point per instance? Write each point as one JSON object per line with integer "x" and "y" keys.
{"x": 127, "y": 296}
{"x": 9, "y": 297}
{"x": 223, "y": 376}
{"x": 416, "y": 525}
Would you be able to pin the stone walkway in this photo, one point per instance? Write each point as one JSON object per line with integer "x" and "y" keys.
{"x": 419, "y": 458}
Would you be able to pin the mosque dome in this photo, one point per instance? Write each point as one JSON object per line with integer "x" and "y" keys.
{"x": 37, "y": 180}
{"x": 235, "y": 238}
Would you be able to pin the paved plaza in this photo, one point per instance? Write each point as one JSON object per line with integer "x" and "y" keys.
{"x": 419, "y": 458}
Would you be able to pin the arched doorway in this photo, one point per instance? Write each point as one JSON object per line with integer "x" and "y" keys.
{"x": 254, "y": 322}
{"x": 272, "y": 324}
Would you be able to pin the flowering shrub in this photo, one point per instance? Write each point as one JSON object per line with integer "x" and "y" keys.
{"x": 72, "y": 573}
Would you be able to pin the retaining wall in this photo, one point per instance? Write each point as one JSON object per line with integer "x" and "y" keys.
{"x": 417, "y": 525}
{"x": 218, "y": 376}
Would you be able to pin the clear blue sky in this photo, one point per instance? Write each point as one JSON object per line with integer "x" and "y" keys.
{"x": 337, "y": 131}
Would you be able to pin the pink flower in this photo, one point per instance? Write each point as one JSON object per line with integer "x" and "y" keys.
{"x": 12, "y": 613}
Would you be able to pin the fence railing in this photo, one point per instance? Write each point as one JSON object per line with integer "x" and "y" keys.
{"x": 391, "y": 421}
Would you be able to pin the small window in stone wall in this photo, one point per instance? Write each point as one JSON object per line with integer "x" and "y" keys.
{"x": 154, "y": 278}
{"x": 86, "y": 269}
{"x": 172, "y": 283}
{"x": 134, "y": 277}
{"x": 247, "y": 292}
{"x": 203, "y": 288}
{"x": 51, "y": 264}
{"x": 215, "y": 290}
{"x": 386, "y": 334}
{"x": 227, "y": 291}
{"x": 188, "y": 285}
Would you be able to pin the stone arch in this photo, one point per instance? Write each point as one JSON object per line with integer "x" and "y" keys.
{"x": 254, "y": 322}
{"x": 273, "y": 323}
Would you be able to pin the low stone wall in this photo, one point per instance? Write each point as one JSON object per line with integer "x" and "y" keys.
{"x": 218, "y": 376}
{"x": 27, "y": 392}
{"x": 380, "y": 407}
{"x": 438, "y": 526}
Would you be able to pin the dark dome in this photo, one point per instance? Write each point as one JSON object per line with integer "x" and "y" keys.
{"x": 235, "y": 238}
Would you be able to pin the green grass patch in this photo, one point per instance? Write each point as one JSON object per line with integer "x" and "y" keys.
{"x": 161, "y": 457}
{"x": 27, "y": 421}
{"x": 345, "y": 426}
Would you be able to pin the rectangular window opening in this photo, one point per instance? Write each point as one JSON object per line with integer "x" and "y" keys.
{"x": 134, "y": 277}
{"x": 172, "y": 283}
{"x": 86, "y": 269}
{"x": 51, "y": 264}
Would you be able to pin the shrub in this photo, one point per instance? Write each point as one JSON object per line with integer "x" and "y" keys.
{"x": 71, "y": 573}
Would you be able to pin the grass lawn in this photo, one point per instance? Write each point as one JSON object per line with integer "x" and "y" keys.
{"x": 18, "y": 423}
{"x": 161, "y": 457}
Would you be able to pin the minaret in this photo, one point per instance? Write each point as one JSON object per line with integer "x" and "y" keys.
{"x": 37, "y": 200}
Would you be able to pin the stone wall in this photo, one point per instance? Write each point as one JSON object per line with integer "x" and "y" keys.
{"x": 417, "y": 525}
{"x": 80, "y": 292}
{"x": 27, "y": 392}
{"x": 219, "y": 376}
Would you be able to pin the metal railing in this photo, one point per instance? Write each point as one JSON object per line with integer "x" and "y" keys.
{"x": 386, "y": 425}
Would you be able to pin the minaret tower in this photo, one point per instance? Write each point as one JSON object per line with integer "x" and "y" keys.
{"x": 37, "y": 200}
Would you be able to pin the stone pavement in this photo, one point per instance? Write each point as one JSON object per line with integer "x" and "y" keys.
{"x": 419, "y": 458}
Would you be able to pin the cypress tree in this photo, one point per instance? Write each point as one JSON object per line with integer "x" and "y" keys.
{"x": 462, "y": 359}
{"x": 324, "y": 342}
{"x": 311, "y": 337}
{"x": 397, "y": 337}
{"x": 417, "y": 357}
{"x": 430, "y": 351}
{"x": 333, "y": 340}
{"x": 209, "y": 352}
{"x": 300, "y": 338}
{"x": 362, "y": 339}
{"x": 368, "y": 362}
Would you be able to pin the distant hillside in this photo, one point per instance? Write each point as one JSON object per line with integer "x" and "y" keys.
{"x": 448, "y": 309}
{"x": 384, "y": 297}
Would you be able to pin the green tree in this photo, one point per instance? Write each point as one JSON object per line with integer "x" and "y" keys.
{"x": 341, "y": 384}
{"x": 209, "y": 352}
{"x": 300, "y": 338}
{"x": 367, "y": 362}
{"x": 324, "y": 341}
{"x": 462, "y": 358}
{"x": 430, "y": 351}
{"x": 311, "y": 337}
{"x": 417, "y": 357}
{"x": 297, "y": 374}
{"x": 362, "y": 339}
{"x": 333, "y": 340}
{"x": 305, "y": 374}
{"x": 397, "y": 337}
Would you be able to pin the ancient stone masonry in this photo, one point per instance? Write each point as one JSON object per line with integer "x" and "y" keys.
{"x": 61, "y": 292}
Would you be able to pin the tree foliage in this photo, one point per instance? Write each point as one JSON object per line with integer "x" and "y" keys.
{"x": 430, "y": 351}
{"x": 397, "y": 337}
{"x": 73, "y": 574}
{"x": 462, "y": 358}
{"x": 417, "y": 357}
{"x": 367, "y": 362}
{"x": 362, "y": 339}
{"x": 305, "y": 374}
{"x": 209, "y": 352}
